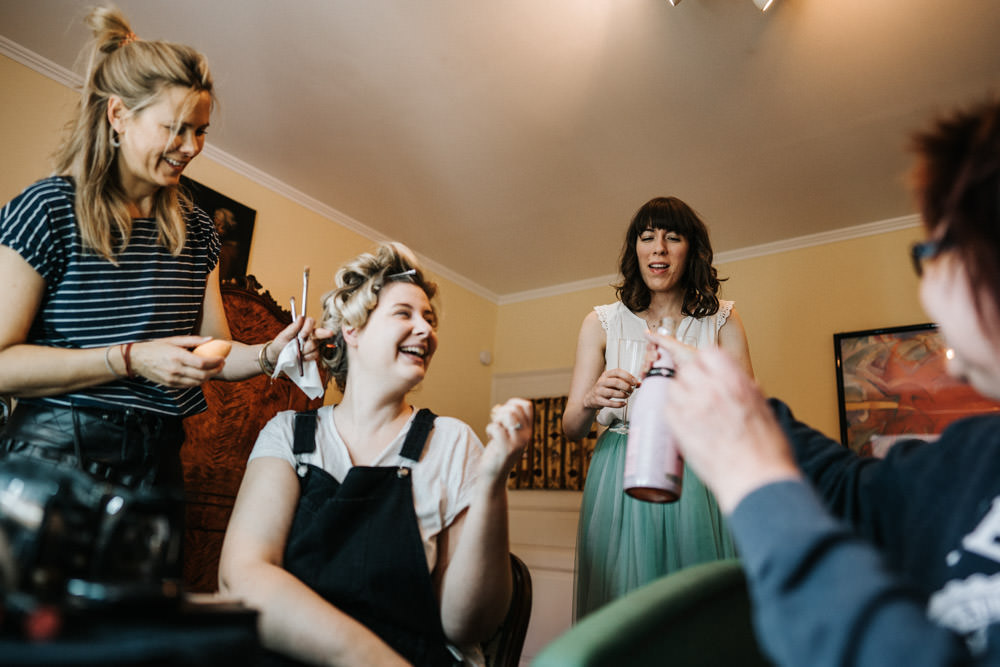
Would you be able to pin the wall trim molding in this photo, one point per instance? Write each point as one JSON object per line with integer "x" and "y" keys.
{"x": 822, "y": 238}
{"x": 288, "y": 192}
{"x": 60, "y": 74}
{"x": 750, "y": 252}
{"x": 43, "y": 66}
{"x": 549, "y": 500}
{"x": 70, "y": 79}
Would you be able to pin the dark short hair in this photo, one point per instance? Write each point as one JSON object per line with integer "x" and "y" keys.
{"x": 956, "y": 180}
{"x": 700, "y": 279}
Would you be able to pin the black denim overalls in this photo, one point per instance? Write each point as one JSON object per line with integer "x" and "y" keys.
{"x": 357, "y": 544}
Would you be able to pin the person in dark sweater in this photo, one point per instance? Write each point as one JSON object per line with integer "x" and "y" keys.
{"x": 863, "y": 561}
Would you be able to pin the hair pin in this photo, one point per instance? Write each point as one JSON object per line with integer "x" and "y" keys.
{"x": 411, "y": 272}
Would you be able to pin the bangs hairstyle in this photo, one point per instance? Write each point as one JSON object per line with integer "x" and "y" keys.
{"x": 700, "y": 280}
{"x": 956, "y": 181}
{"x": 136, "y": 71}
{"x": 358, "y": 283}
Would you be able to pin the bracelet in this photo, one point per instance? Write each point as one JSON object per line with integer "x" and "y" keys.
{"x": 127, "y": 356}
{"x": 266, "y": 367}
{"x": 107, "y": 362}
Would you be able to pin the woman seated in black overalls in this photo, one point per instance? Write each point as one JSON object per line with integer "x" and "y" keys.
{"x": 370, "y": 532}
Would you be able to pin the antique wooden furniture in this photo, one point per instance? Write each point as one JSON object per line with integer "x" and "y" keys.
{"x": 219, "y": 440}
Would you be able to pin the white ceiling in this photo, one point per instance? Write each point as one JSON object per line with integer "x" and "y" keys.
{"x": 511, "y": 141}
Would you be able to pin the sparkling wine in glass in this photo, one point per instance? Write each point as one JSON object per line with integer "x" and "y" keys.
{"x": 631, "y": 355}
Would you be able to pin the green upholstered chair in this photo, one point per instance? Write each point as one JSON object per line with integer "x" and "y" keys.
{"x": 697, "y": 616}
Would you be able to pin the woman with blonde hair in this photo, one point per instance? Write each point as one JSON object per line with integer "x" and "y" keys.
{"x": 110, "y": 274}
{"x": 370, "y": 532}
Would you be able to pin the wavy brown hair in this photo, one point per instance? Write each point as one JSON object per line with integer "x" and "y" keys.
{"x": 136, "y": 71}
{"x": 956, "y": 180}
{"x": 700, "y": 279}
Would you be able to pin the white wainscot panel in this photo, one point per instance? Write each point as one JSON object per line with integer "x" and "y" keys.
{"x": 543, "y": 534}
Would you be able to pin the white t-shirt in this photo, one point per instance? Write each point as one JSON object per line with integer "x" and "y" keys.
{"x": 442, "y": 479}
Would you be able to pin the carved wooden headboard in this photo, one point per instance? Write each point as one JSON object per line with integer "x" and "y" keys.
{"x": 219, "y": 440}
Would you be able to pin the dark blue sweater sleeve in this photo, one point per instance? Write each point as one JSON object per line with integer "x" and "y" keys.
{"x": 866, "y": 492}
{"x": 822, "y": 596}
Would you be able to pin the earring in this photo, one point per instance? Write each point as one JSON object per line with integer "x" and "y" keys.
{"x": 115, "y": 141}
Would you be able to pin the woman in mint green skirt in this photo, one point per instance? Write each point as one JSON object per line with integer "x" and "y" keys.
{"x": 623, "y": 543}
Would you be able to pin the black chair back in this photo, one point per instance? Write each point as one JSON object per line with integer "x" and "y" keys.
{"x": 504, "y": 649}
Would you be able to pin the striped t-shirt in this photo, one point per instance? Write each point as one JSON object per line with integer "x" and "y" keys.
{"x": 90, "y": 302}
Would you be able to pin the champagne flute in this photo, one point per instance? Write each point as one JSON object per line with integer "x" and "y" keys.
{"x": 631, "y": 356}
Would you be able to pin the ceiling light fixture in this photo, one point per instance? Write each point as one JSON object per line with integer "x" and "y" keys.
{"x": 674, "y": 3}
{"x": 762, "y": 5}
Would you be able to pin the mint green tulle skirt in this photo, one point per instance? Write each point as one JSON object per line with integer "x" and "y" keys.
{"x": 624, "y": 543}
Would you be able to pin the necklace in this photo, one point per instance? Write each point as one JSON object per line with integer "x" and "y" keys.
{"x": 655, "y": 323}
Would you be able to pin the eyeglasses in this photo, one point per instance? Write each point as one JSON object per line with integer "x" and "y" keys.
{"x": 921, "y": 251}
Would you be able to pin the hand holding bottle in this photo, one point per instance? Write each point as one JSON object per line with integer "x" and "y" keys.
{"x": 723, "y": 425}
{"x": 654, "y": 469}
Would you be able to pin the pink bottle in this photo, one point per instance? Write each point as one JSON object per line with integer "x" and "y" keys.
{"x": 654, "y": 469}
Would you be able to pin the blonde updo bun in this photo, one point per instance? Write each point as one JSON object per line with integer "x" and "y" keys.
{"x": 136, "y": 71}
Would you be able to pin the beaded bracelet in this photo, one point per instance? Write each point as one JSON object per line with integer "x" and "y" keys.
{"x": 107, "y": 362}
{"x": 266, "y": 367}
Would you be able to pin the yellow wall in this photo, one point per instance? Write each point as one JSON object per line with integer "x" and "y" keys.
{"x": 541, "y": 333}
{"x": 287, "y": 237}
{"x": 33, "y": 111}
{"x": 791, "y": 302}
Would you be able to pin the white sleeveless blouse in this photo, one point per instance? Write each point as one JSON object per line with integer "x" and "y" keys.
{"x": 620, "y": 322}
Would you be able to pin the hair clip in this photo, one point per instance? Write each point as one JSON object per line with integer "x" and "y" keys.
{"x": 411, "y": 272}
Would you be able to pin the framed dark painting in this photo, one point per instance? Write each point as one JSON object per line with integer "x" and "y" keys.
{"x": 551, "y": 460}
{"x": 233, "y": 222}
{"x": 892, "y": 384}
